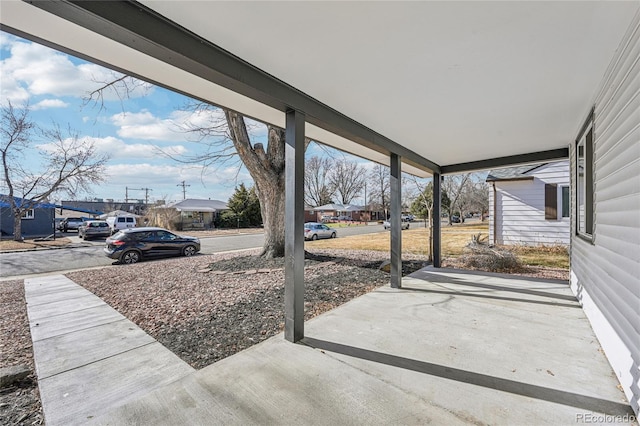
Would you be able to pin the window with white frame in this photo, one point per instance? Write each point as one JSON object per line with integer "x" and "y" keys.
{"x": 28, "y": 214}
{"x": 584, "y": 180}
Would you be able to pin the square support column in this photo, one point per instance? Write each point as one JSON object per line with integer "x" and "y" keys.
{"x": 437, "y": 220}
{"x": 294, "y": 227}
{"x": 396, "y": 221}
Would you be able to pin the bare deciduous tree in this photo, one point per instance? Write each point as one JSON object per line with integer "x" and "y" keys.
{"x": 317, "y": 189}
{"x": 68, "y": 163}
{"x": 380, "y": 188}
{"x": 455, "y": 185}
{"x": 347, "y": 178}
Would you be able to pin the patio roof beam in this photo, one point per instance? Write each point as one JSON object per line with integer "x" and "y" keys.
{"x": 138, "y": 27}
{"x": 511, "y": 160}
{"x": 395, "y": 184}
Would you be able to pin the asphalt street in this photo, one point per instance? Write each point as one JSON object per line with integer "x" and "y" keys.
{"x": 90, "y": 254}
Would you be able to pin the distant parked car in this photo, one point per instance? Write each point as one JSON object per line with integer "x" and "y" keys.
{"x": 403, "y": 225}
{"x": 70, "y": 223}
{"x": 407, "y": 218}
{"x": 133, "y": 244}
{"x": 455, "y": 219}
{"x": 347, "y": 218}
{"x": 94, "y": 228}
{"x": 314, "y": 231}
{"x": 326, "y": 218}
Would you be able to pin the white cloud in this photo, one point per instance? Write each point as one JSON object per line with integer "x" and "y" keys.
{"x": 144, "y": 125}
{"x": 118, "y": 149}
{"x": 32, "y": 69}
{"x": 147, "y": 126}
{"x": 50, "y": 103}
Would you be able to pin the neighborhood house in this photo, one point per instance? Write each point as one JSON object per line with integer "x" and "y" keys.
{"x": 530, "y": 204}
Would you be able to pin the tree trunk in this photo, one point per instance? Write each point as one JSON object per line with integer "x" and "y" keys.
{"x": 267, "y": 171}
{"x": 272, "y": 196}
{"x": 17, "y": 226}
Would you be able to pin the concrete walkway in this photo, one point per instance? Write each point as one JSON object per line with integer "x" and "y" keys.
{"x": 450, "y": 348}
{"x": 88, "y": 356}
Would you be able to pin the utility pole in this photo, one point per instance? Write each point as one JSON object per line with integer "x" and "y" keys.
{"x": 184, "y": 189}
{"x": 146, "y": 193}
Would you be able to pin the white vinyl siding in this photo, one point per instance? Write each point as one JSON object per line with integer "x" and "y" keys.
{"x": 520, "y": 209}
{"x": 605, "y": 273}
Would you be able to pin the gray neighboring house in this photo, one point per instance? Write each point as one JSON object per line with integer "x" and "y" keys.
{"x": 37, "y": 221}
{"x": 530, "y": 204}
{"x": 199, "y": 214}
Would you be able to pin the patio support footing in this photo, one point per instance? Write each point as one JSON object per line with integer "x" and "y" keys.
{"x": 294, "y": 227}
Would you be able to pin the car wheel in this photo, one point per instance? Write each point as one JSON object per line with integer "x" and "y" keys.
{"x": 189, "y": 251}
{"x": 79, "y": 235}
{"x": 129, "y": 257}
{"x": 333, "y": 235}
{"x": 314, "y": 237}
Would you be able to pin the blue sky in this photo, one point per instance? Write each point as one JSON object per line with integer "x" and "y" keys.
{"x": 135, "y": 131}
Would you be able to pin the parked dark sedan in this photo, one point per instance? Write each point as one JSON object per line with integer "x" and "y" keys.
{"x": 133, "y": 244}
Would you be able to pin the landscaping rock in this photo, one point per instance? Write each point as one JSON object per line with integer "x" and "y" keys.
{"x": 13, "y": 374}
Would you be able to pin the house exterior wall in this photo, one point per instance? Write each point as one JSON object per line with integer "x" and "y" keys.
{"x": 520, "y": 209}
{"x": 605, "y": 272}
{"x": 40, "y": 225}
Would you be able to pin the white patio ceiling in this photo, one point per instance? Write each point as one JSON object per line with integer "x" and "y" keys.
{"x": 454, "y": 82}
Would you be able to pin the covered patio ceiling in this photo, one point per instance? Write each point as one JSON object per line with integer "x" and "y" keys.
{"x": 439, "y": 83}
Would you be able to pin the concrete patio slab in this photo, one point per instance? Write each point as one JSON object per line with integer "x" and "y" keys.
{"x": 451, "y": 347}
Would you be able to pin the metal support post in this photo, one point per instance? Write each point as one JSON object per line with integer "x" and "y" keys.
{"x": 437, "y": 232}
{"x": 294, "y": 227}
{"x": 395, "y": 221}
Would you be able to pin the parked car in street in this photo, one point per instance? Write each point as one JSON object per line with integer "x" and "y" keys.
{"x": 315, "y": 230}
{"x": 93, "y": 229}
{"x": 133, "y": 244}
{"x": 403, "y": 224}
{"x": 70, "y": 223}
{"x": 455, "y": 219}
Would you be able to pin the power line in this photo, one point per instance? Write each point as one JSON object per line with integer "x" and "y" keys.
{"x": 184, "y": 189}
{"x": 146, "y": 193}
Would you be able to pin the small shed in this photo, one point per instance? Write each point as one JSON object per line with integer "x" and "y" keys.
{"x": 38, "y": 221}
{"x": 530, "y": 205}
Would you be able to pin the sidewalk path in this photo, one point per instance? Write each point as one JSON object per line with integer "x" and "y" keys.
{"x": 88, "y": 356}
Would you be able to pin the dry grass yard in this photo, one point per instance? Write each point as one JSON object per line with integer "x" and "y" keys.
{"x": 455, "y": 238}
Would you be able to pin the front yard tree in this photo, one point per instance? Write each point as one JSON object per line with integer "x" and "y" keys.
{"x": 68, "y": 164}
{"x": 266, "y": 167}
